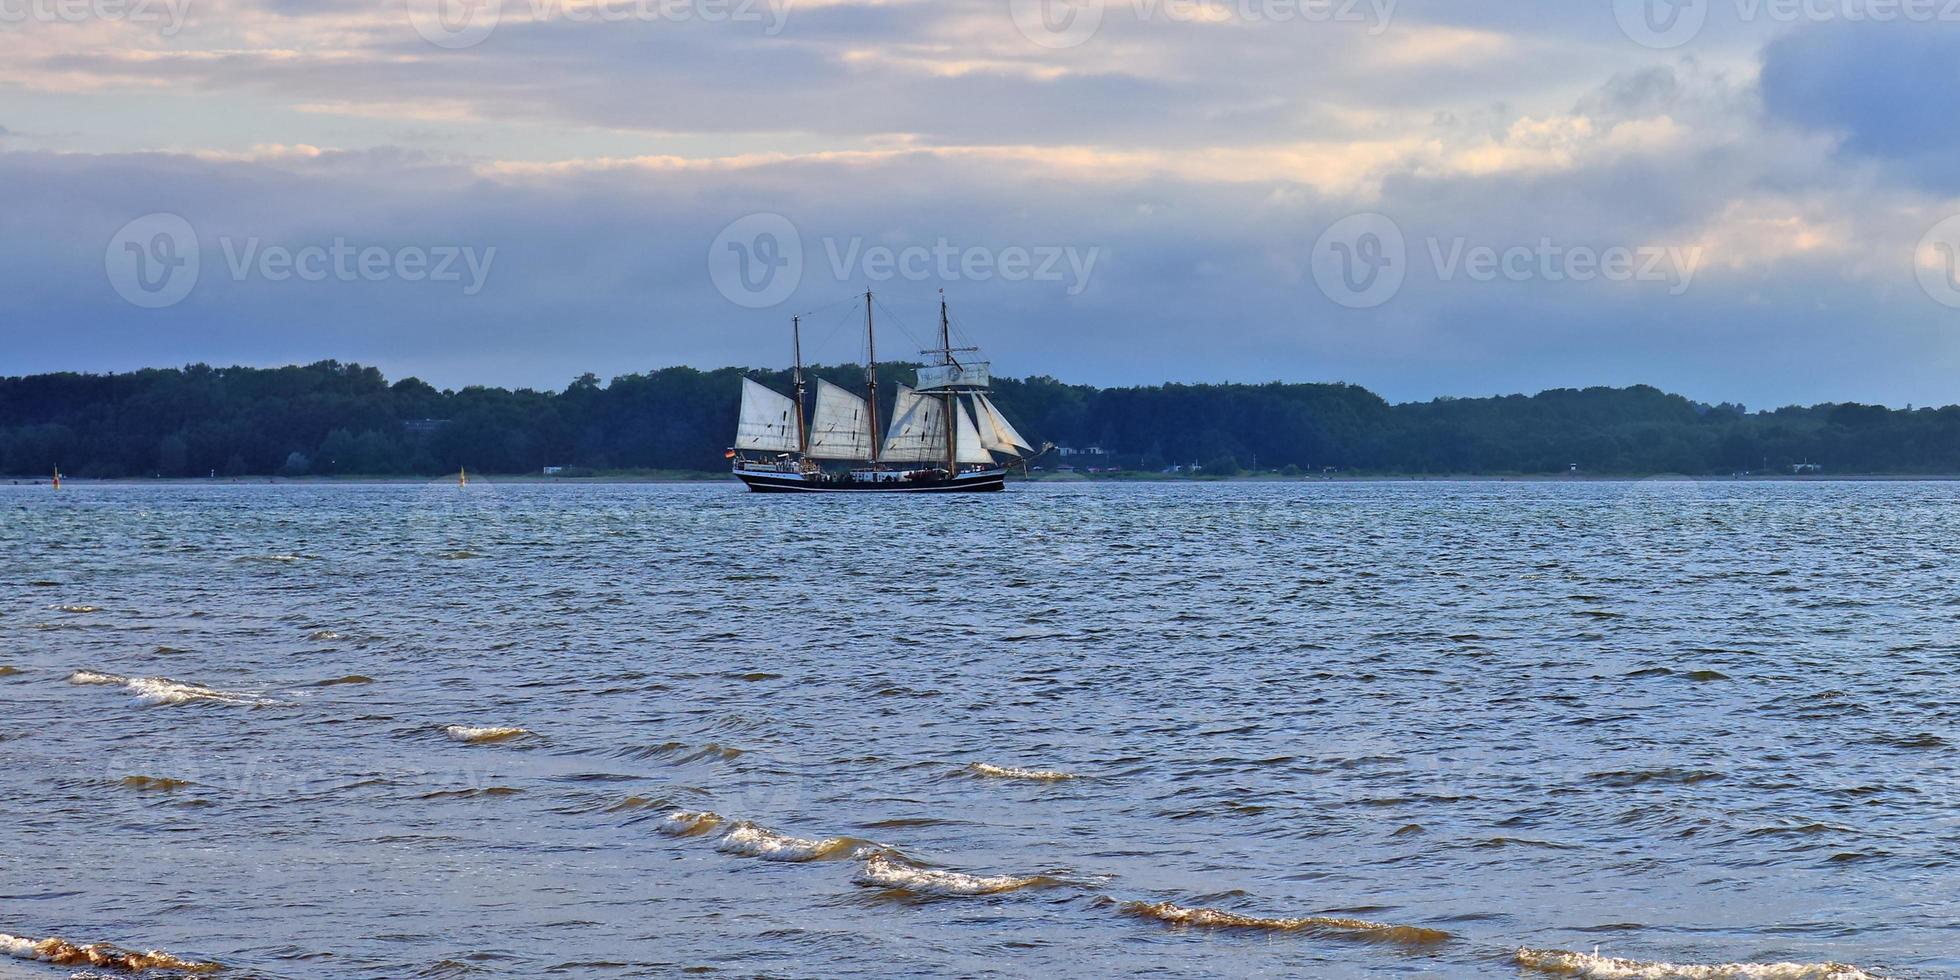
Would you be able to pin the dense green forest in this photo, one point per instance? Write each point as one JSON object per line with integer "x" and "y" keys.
{"x": 338, "y": 419}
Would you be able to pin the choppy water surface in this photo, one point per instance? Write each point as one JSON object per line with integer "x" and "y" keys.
{"x": 1317, "y": 730}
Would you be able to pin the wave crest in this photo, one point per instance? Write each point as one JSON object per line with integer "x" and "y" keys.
{"x": 1596, "y": 967}
{"x": 1010, "y": 772}
{"x": 159, "y": 784}
{"x": 882, "y": 871}
{"x": 163, "y": 690}
{"x": 752, "y": 840}
{"x": 689, "y": 823}
{"x": 1335, "y": 927}
{"x": 473, "y": 735}
{"x": 61, "y": 952}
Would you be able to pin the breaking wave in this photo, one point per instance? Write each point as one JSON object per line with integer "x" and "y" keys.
{"x": 1596, "y": 967}
{"x": 482, "y": 736}
{"x": 751, "y": 840}
{"x": 689, "y": 823}
{"x": 883, "y": 871}
{"x": 1339, "y": 928}
{"x": 1009, "y": 772}
{"x": 64, "y": 953}
{"x": 162, "y": 690}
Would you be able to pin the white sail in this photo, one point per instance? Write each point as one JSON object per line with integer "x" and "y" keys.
{"x": 918, "y": 431}
{"x": 995, "y": 431}
{"x": 768, "y": 420}
{"x": 971, "y": 448}
{"x": 841, "y": 428}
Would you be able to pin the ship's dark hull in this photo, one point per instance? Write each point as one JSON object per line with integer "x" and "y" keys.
{"x": 989, "y": 481}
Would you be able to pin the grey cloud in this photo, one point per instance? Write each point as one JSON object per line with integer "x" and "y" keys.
{"x": 1885, "y": 88}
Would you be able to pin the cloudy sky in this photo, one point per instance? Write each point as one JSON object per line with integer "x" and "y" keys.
{"x": 1733, "y": 199}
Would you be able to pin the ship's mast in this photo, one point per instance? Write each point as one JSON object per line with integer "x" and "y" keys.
{"x": 871, "y": 374}
{"x": 796, "y": 340}
{"x": 952, "y": 397}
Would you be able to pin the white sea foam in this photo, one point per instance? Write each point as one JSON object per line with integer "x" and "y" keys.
{"x": 478, "y": 736}
{"x": 159, "y": 690}
{"x": 1009, "y": 772}
{"x": 750, "y": 840}
{"x": 163, "y": 690}
{"x": 882, "y": 871}
{"x": 1596, "y": 967}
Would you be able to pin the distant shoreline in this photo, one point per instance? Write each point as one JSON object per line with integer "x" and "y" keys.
{"x": 622, "y": 479}
{"x": 335, "y": 418}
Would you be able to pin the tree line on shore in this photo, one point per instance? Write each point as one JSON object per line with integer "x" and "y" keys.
{"x": 334, "y": 419}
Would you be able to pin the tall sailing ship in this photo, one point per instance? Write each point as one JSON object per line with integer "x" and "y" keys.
{"x": 945, "y": 435}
